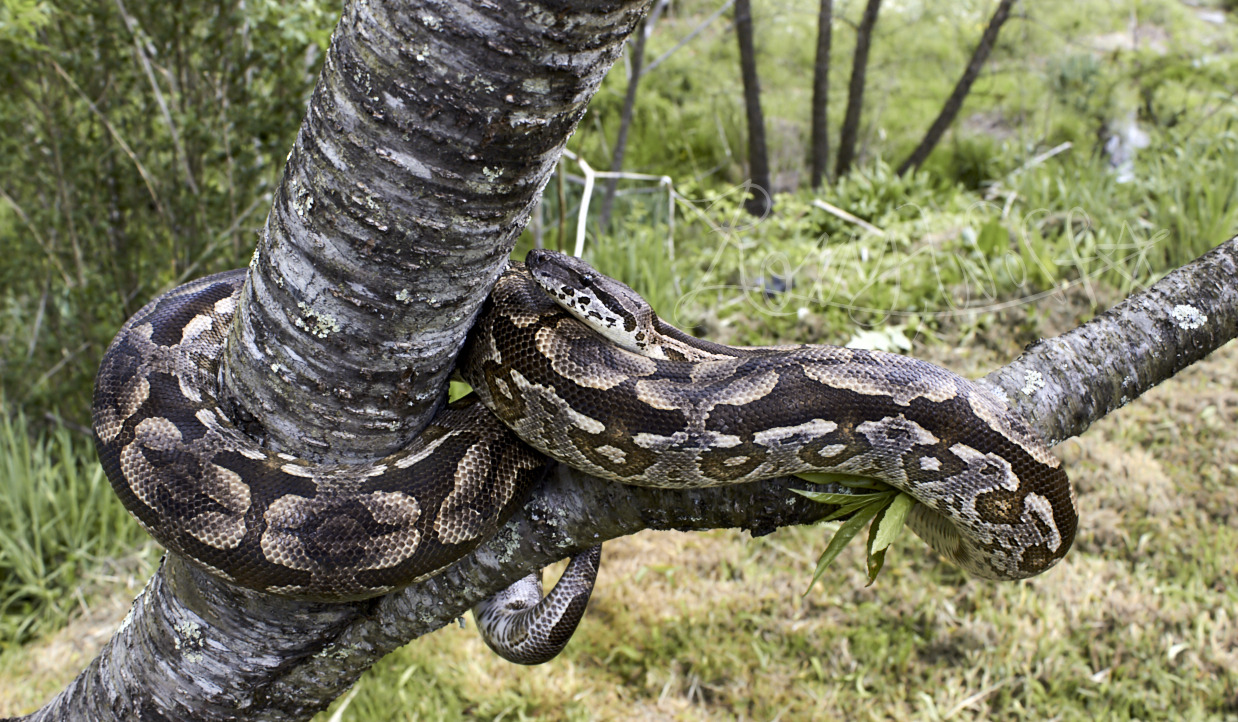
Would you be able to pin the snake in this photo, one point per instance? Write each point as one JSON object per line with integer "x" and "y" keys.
{"x": 569, "y": 365}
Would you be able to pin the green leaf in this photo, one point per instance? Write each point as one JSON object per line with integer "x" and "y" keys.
{"x": 886, "y": 508}
{"x": 876, "y": 500}
{"x": 823, "y": 497}
{"x": 876, "y": 560}
{"x": 888, "y": 524}
{"x": 841, "y": 538}
{"x": 458, "y": 390}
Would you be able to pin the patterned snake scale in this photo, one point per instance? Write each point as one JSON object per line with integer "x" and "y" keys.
{"x": 578, "y": 366}
{"x": 270, "y": 521}
{"x": 627, "y": 397}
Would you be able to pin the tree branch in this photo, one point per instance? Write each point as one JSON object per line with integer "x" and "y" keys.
{"x": 429, "y": 137}
{"x": 572, "y": 511}
{"x": 432, "y": 131}
{"x": 287, "y": 660}
{"x": 1065, "y": 384}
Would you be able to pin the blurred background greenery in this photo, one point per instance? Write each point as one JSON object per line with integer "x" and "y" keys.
{"x": 140, "y": 143}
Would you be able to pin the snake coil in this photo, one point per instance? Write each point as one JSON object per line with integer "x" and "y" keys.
{"x": 575, "y": 365}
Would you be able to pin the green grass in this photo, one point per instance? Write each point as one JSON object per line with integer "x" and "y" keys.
{"x": 979, "y": 229}
{"x": 60, "y": 525}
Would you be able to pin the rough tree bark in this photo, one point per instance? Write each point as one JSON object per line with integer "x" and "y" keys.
{"x": 194, "y": 647}
{"x": 855, "y": 91}
{"x": 759, "y": 201}
{"x": 429, "y": 138}
{"x": 954, "y": 103}
{"x": 821, "y": 95}
{"x": 1063, "y": 385}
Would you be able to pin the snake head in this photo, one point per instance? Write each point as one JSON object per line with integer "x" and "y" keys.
{"x": 607, "y": 306}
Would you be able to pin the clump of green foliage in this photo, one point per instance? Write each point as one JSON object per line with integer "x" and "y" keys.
{"x": 139, "y": 149}
{"x": 883, "y": 508}
{"x": 59, "y": 523}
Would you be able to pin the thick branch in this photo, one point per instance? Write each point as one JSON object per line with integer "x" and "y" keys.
{"x": 1065, "y": 384}
{"x": 280, "y": 660}
{"x": 423, "y": 149}
{"x": 572, "y": 511}
{"x": 431, "y": 133}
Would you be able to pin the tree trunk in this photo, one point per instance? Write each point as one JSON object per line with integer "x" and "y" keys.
{"x": 430, "y": 135}
{"x": 955, "y": 102}
{"x": 404, "y": 154}
{"x": 760, "y": 201}
{"x": 821, "y": 95}
{"x": 855, "y": 92}
{"x": 642, "y": 34}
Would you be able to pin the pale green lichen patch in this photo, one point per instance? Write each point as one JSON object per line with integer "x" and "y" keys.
{"x": 476, "y": 82}
{"x": 188, "y": 638}
{"x": 540, "y": 86}
{"x": 332, "y": 652}
{"x": 315, "y": 323}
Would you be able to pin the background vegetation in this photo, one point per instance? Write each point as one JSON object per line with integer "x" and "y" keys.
{"x": 139, "y": 147}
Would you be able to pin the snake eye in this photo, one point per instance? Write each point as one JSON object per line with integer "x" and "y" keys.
{"x": 587, "y": 278}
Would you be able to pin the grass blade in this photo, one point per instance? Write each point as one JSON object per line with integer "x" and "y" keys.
{"x": 841, "y": 538}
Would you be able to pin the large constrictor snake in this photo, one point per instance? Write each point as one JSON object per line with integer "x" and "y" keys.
{"x": 579, "y": 368}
